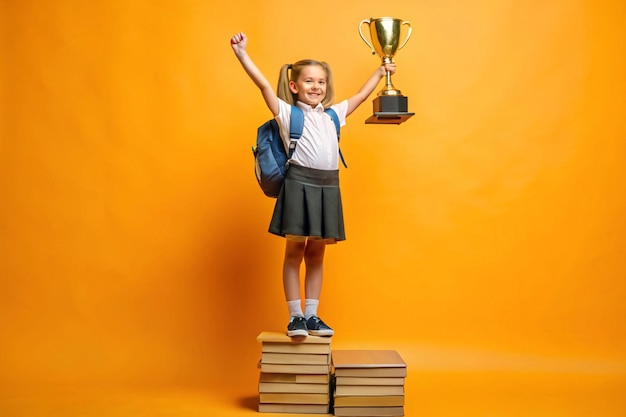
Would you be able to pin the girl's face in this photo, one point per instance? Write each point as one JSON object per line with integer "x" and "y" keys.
{"x": 310, "y": 85}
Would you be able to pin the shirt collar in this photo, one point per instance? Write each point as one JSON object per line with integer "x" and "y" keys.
{"x": 319, "y": 108}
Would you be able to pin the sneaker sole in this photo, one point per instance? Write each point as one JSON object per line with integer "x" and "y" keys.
{"x": 321, "y": 332}
{"x": 297, "y": 333}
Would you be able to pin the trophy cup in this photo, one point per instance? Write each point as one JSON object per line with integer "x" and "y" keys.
{"x": 390, "y": 106}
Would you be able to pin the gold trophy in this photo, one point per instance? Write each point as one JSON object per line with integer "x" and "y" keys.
{"x": 390, "y": 107}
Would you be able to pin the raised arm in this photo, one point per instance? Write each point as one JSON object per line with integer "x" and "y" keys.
{"x": 239, "y": 43}
{"x": 369, "y": 86}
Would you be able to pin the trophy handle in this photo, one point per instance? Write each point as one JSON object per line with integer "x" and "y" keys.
{"x": 363, "y": 37}
{"x": 408, "y": 35}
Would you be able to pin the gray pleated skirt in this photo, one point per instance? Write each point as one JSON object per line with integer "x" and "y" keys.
{"x": 309, "y": 205}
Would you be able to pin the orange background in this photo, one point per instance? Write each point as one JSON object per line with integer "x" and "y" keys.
{"x": 485, "y": 233}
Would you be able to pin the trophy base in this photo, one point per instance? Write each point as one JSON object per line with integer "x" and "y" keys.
{"x": 390, "y": 110}
{"x": 390, "y": 92}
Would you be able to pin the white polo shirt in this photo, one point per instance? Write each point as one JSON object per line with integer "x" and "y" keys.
{"x": 318, "y": 147}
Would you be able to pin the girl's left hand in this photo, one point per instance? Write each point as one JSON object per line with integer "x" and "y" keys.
{"x": 391, "y": 67}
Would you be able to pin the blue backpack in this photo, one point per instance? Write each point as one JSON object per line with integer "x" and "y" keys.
{"x": 271, "y": 158}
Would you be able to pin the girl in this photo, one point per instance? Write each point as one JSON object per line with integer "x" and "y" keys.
{"x": 308, "y": 211}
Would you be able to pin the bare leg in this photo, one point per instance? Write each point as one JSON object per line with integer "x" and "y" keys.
{"x": 294, "y": 252}
{"x": 314, "y": 261}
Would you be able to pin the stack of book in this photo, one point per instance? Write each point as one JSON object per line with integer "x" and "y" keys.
{"x": 368, "y": 383}
{"x": 295, "y": 374}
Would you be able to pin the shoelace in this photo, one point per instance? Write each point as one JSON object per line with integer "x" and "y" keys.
{"x": 317, "y": 320}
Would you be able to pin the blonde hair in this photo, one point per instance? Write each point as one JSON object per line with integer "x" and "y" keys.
{"x": 291, "y": 72}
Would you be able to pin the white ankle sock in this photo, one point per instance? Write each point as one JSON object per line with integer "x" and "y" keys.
{"x": 310, "y": 307}
{"x": 295, "y": 308}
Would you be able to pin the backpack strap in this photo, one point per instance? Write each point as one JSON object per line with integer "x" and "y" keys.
{"x": 296, "y": 126}
{"x": 333, "y": 115}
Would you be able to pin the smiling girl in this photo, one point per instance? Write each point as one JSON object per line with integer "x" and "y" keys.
{"x": 308, "y": 211}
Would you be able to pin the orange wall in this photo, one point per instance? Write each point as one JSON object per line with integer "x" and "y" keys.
{"x": 133, "y": 241}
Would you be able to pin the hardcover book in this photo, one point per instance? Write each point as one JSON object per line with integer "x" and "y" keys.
{"x": 279, "y": 387}
{"x": 352, "y": 380}
{"x": 370, "y": 401}
{"x": 295, "y": 358}
{"x": 343, "y": 390}
{"x": 368, "y": 363}
{"x": 369, "y": 411}
{"x": 295, "y": 378}
{"x": 293, "y": 398}
{"x": 294, "y": 408}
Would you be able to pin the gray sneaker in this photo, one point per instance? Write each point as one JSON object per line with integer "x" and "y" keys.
{"x": 317, "y": 327}
{"x": 297, "y": 327}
